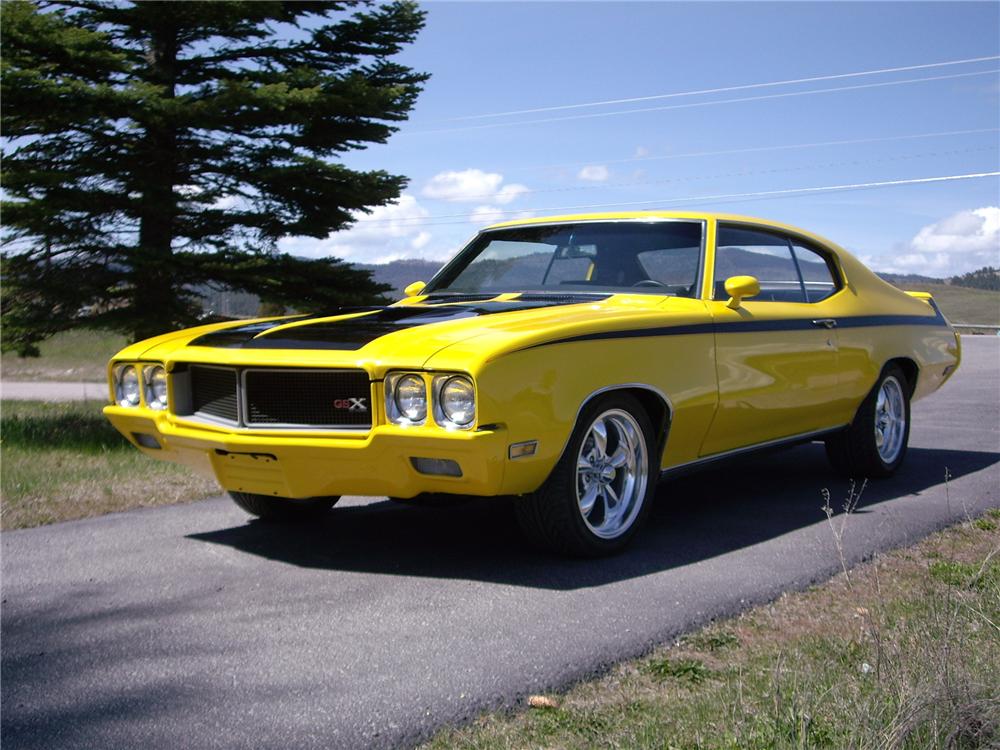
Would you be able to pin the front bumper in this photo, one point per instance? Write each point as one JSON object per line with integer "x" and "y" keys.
{"x": 375, "y": 462}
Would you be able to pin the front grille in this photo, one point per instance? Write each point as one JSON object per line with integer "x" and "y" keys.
{"x": 282, "y": 398}
{"x": 213, "y": 392}
{"x": 316, "y": 398}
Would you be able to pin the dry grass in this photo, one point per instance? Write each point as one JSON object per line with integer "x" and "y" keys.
{"x": 903, "y": 653}
{"x": 63, "y": 461}
{"x": 80, "y": 355}
{"x": 965, "y": 305}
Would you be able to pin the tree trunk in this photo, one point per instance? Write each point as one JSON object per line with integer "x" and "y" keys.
{"x": 152, "y": 267}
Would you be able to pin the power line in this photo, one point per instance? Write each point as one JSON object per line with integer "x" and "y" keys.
{"x": 722, "y": 197}
{"x": 741, "y": 173}
{"x": 722, "y": 89}
{"x": 690, "y": 105}
{"x": 753, "y": 149}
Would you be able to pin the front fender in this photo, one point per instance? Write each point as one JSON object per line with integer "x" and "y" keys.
{"x": 538, "y": 394}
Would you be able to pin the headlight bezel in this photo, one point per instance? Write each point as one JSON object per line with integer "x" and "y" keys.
{"x": 441, "y": 416}
{"x": 393, "y": 409}
{"x": 120, "y": 373}
{"x": 154, "y": 402}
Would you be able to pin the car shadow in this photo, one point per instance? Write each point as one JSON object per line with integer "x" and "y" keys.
{"x": 696, "y": 517}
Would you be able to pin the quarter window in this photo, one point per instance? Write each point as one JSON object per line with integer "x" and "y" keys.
{"x": 818, "y": 277}
{"x": 788, "y": 270}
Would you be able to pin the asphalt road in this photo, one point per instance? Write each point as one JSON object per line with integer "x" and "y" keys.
{"x": 189, "y": 626}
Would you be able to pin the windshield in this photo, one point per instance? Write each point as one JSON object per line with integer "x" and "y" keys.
{"x": 661, "y": 257}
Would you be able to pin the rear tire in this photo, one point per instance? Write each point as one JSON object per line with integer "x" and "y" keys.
{"x": 874, "y": 444}
{"x": 601, "y": 490}
{"x": 283, "y": 509}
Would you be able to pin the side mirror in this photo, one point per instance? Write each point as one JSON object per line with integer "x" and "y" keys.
{"x": 414, "y": 289}
{"x": 740, "y": 287}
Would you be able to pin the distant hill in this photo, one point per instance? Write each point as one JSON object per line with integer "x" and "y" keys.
{"x": 907, "y": 280}
{"x": 401, "y": 273}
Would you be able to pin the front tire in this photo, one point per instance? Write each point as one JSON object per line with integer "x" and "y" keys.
{"x": 283, "y": 509}
{"x": 601, "y": 490}
{"x": 874, "y": 444}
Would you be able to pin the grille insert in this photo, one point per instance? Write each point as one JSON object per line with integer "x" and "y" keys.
{"x": 314, "y": 398}
{"x": 213, "y": 393}
{"x": 281, "y": 398}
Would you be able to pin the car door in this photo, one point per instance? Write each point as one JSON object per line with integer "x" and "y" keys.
{"x": 776, "y": 354}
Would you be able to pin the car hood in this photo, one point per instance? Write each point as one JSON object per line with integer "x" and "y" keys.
{"x": 412, "y": 333}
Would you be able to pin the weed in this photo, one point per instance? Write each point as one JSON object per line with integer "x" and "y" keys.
{"x": 711, "y": 640}
{"x": 850, "y": 504}
{"x": 965, "y": 575}
{"x": 693, "y": 671}
{"x": 985, "y": 524}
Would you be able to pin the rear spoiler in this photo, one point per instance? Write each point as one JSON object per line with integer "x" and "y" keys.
{"x": 925, "y": 296}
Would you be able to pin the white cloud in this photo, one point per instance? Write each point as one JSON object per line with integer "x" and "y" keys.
{"x": 471, "y": 185}
{"x": 955, "y": 245}
{"x": 482, "y": 215}
{"x": 509, "y": 192}
{"x": 387, "y": 233}
{"x": 975, "y": 231}
{"x": 420, "y": 240}
{"x": 593, "y": 173}
{"x": 641, "y": 151}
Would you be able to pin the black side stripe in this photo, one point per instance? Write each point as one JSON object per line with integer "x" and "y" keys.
{"x": 756, "y": 326}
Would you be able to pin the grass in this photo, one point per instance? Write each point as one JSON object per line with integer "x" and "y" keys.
{"x": 63, "y": 461}
{"x": 964, "y": 305}
{"x": 80, "y": 355}
{"x": 901, "y": 653}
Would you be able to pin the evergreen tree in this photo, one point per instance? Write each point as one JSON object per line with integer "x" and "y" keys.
{"x": 986, "y": 277}
{"x": 153, "y": 147}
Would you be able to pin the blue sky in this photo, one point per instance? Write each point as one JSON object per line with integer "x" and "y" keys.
{"x": 489, "y": 58}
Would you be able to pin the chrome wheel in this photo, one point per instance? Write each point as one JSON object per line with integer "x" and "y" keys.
{"x": 890, "y": 419}
{"x": 611, "y": 474}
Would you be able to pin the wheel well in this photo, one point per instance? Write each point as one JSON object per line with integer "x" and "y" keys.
{"x": 910, "y": 370}
{"x": 657, "y": 409}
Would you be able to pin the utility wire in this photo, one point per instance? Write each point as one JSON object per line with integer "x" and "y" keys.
{"x": 719, "y": 197}
{"x": 752, "y": 149}
{"x": 741, "y": 173}
{"x": 593, "y": 115}
{"x": 722, "y": 89}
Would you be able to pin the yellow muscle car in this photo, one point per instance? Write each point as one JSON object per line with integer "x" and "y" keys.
{"x": 568, "y": 362}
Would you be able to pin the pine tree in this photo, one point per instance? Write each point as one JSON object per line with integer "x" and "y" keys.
{"x": 986, "y": 277}
{"x": 155, "y": 147}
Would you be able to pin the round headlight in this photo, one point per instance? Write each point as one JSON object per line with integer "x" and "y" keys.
{"x": 458, "y": 401}
{"x": 156, "y": 387}
{"x": 411, "y": 398}
{"x": 127, "y": 391}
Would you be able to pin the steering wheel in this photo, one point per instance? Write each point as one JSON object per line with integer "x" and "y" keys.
{"x": 648, "y": 282}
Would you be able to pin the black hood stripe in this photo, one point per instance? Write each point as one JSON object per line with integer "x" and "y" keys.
{"x": 374, "y": 322}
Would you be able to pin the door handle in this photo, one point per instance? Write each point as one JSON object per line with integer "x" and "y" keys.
{"x": 825, "y": 322}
